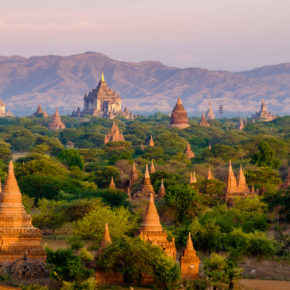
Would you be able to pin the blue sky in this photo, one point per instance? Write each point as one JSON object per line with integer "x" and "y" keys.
{"x": 216, "y": 34}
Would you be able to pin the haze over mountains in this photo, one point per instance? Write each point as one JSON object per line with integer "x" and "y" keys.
{"x": 145, "y": 87}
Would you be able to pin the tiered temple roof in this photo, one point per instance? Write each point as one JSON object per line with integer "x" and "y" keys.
{"x": 241, "y": 125}
{"x": 151, "y": 142}
{"x": 162, "y": 191}
{"x": 40, "y": 113}
{"x": 18, "y": 237}
{"x": 151, "y": 230}
{"x": 189, "y": 262}
{"x": 210, "y": 114}
{"x": 179, "y": 116}
{"x": 234, "y": 188}
{"x": 114, "y": 135}
{"x": 146, "y": 188}
{"x": 56, "y": 123}
{"x": 189, "y": 153}
{"x": 263, "y": 114}
{"x": 203, "y": 121}
{"x": 152, "y": 167}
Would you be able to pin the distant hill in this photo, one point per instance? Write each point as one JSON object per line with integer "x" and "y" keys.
{"x": 145, "y": 87}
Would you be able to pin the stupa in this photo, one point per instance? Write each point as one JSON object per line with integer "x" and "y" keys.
{"x": 189, "y": 153}
{"x": 56, "y": 123}
{"x": 112, "y": 184}
{"x": 134, "y": 178}
{"x": 77, "y": 113}
{"x": 179, "y": 116}
{"x": 40, "y": 113}
{"x": 210, "y": 114}
{"x": 106, "y": 240}
{"x": 189, "y": 262}
{"x": 192, "y": 179}
{"x": 209, "y": 174}
{"x": 146, "y": 188}
{"x": 18, "y": 237}
{"x": 263, "y": 114}
{"x": 241, "y": 125}
{"x": 203, "y": 121}
{"x": 234, "y": 188}
{"x": 114, "y": 135}
{"x": 162, "y": 191}
{"x": 151, "y": 142}
{"x": 151, "y": 230}
{"x": 152, "y": 167}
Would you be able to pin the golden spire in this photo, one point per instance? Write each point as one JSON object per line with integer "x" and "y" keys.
{"x": 102, "y": 77}
{"x": 162, "y": 191}
{"x": 189, "y": 244}
{"x": 151, "y": 142}
{"x": 192, "y": 178}
{"x": 232, "y": 182}
{"x": 106, "y": 240}
{"x": 112, "y": 184}
{"x": 147, "y": 175}
{"x": 152, "y": 168}
{"x": 209, "y": 175}
{"x": 242, "y": 184}
{"x": 151, "y": 221}
{"x": 134, "y": 174}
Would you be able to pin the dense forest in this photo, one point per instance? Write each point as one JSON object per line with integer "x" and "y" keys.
{"x": 64, "y": 178}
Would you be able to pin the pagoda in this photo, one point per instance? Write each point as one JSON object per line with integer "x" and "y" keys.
{"x": 203, "y": 121}
{"x": 152, "y": 167}
{"x": 114, "y": 135}
{"x": 134, "y": 178}
{"x": 56, "y": 123}
{"x": 210, "y": 114}
{"x": 151, "y": 142}
{"x": 146, "y": 188}
{"x": 189, "y": 153}
{"x": 192, "y": 179}
{"x": 77, "y": 113}
{"x": 263, "y": 114}
{"x": 162, "y": 191}
{"x": 234, "y": 188}
{"x": 18, "y": 237}
{"x": 151, "y": 230}
{"x": 106, "y": 240}
{"x": 209, "y": 174}
{"x": 189, "y": 262}
{"x": 179, "y": 116}
{"x": 112, "y": 185}
{"x": 40, "y": 113}
{"x": 241, "y": 126}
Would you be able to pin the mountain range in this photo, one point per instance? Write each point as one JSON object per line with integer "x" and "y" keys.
{"x": 145, "y": 87}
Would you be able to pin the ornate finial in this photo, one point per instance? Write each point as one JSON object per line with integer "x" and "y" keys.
{"x": 102, "y": 77}
{"x": 179, "y": 101}
{"x": 189, "y": 244}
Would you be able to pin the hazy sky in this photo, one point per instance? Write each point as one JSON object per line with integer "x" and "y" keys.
{"x": 215, "y": 34}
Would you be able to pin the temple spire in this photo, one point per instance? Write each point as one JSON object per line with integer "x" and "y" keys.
{"x": 106, "y": 240}
{"x": 189, "y": 153}
{"x": 112, "y": 184}
{"x": 192, "y": 178}
{"x": 151, "y": 142}
{"x": 162, "y": 191}
{"x": 152, "y": 167}
{"x": 209, "y": 175}
{"x": 189, "y": 244}
{"x": 134, "y": 174}
{"x": 102, "y": 77}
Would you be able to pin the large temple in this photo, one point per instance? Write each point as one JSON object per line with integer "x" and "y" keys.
{"x": 3, "y": 112}
{"x": 179, "y": 116}
{"x": 103, "y": 102}
{"x": 18, "y": 238}
{"x": 263, "y": 114}
{"x": 56, "y": 123}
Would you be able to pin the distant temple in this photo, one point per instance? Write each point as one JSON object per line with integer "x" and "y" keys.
{"x": 188, "y": 152}
{"x": 203, "y": 121}
{"x": 192, "y": 179}
{"x": 234, "y": 188}
{"x": 241, "y": 126}
{"x": 162, "y": 191}
{"x": 134, "y": 178}
{"x": 263, "y": 114}
{"x": 18, "y": 237}
{"x": 151, "y": 142}
{"x": 179, "y": 116}
{"x": 114, "y": 135}
{"x": 3, "y": 112}
{"x": 56, "y": 123}
{"x": 146, "y": 188}
{"x": 210, "y": 114}
{"x": 40, "y": 112}
{"x": 103, "y": 102}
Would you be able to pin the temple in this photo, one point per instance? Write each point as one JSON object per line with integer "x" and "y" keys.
{"x": 263, "y": 114}
{"x": 18, "y": 237}
{"x": 152, "y": 167}
{"x": 112, "y": 185}
{"x": 192, "y": 179}
{"x": 146, "y": 187}
{"x": 189, "y": 262}
{"x": 77, "y": 113}
{"x": 106, "y": 240}
{"x": 179, "y": 116}
{"x": 188, "y": 152}
{"x": 134, "y": 178}
{"x": 240, "y": 126}
{"x": 56, "y": 123}
{"x": 151, "y": 230}
{"x": 151, "y": 142}
{"x": 203, "y": 121}
{"x": 209, "y": 174}
{"x": 103, "y": 102}
{"x": 3, "y": 112}
{"x": 234, "y": 188}
{"x": 210, "y": 114}
{"x": 114, "y": 135}
{"x": 161, "y": 192}
{"x": 40, "y": 112}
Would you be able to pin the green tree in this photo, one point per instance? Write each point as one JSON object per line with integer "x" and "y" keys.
{"x": 266, "y": 156}
{"x": 5, "y": 153}
{"x": 71, "y": 157}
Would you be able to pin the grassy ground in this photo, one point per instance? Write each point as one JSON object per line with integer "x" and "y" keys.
{"x": 264, "y": 284}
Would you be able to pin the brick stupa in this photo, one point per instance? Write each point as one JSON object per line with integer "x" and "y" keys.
{"x": 203, "y": 121}
{"x": 210, "y": 114}
{"x": 234, "y": 188}
{"x": 209, "y": 174}
{"x": 151, "y": 142}
{"x": 56, "y": 123}
{"x": 114, "y": 135}
{"x": 151, "y": 230}
{"x": 146, "y": 188}
{"x": 161, "y": 192}
{"x": 112, "y": 185}
{"x": 240, "y": 126}
{"x": 192, "y": 179}
{"x": 106, "y": 240}
{"x": 189, "y": 153}
{"x": 152, "y": 167}
{"x": 40, "y": 113}
{"x": 189, "y": 262}
{"x": 134, "y": 178}
{"x": 18, "y": 237}
{"x": 179, "y": 116}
